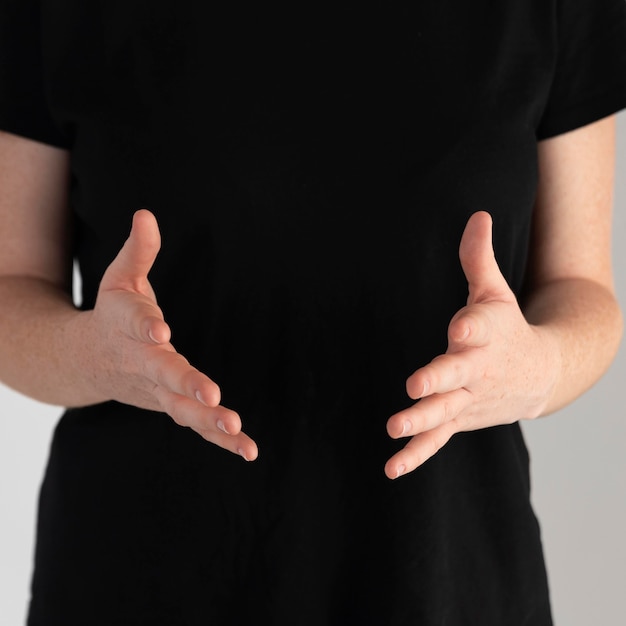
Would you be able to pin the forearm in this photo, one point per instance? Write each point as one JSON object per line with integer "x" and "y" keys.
{"x": 582, "y": 321}
{"x": 43, "y": 343}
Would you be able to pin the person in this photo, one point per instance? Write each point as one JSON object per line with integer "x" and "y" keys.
{"x": 365, "y": 244}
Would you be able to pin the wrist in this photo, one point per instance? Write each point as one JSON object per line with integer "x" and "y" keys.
{"x": 548, "y": 368}
{"x": 83, "y": 342}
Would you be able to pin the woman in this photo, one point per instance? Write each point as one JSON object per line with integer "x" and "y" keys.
{"x": 312, "y": 183}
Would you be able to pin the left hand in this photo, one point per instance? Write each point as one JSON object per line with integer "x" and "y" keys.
{"x": 497, "y": 369}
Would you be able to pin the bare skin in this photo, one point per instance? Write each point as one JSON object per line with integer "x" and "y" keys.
{"x": 529, "y": 361}
{"x": 120, "y": 350}
{"x": 502, "y": 359}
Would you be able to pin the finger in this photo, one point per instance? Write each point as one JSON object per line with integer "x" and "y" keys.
{"x": 444, "y": 373}
{"x": 428, "y": 413}
{"x": 191, "y": 413}
{"x": 419, "y": 449}
{"x": 156, "y": 330}
{"x": 171, "y": 371}
{"x": 211, "y": 424}
{"x": 478, "y": 261}
{"x": 130, "y": 268}
{"x": 471, "y": 327}
{"x": 239, "y": 444}
{"x": 141, "y": 318}
{"x": 147, "y": 324}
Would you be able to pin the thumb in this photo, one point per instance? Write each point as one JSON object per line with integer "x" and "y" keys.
{"x": 484, "y": 278}
{"x": 129, "y": 270}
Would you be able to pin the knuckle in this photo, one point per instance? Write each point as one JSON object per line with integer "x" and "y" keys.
{"x": 447, "y": 409}
{"x": 187, "y": 379}
{"x": 171, "y": 404}
{"x": 419, "y": 422}
{"x": 158, "y": 372}
{"x": 162, "y": 368}
{"x": 437, "y": 365}
{"x": 447, "y": 371}
{"x": 462, "y": 422}
{"x": 165, "y": 402}
{"x": 176, "y": 414}
{"x": 456, "y": 372}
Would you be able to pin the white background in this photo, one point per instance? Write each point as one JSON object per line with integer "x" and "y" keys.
{"x": 578, "y": 468}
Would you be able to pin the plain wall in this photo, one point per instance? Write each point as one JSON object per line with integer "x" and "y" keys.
{"x": 578, "y": 467}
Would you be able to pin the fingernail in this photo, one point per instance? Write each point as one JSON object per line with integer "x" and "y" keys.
{"x": 426, "y": 387}
{"x": 400, "y": 470}
{"x": 152, "y": 338}
{"x": 220, "y": 425}
{"x": 199, "y": 398}
{"x": 242, "y": 454}
{"x": 465, "y": 334}
{"x": 406, "y": 427}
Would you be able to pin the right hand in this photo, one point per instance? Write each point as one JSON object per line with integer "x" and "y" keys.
{"x": 134, "y": 361}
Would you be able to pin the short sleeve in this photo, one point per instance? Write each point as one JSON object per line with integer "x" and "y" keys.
{"x": 23, "y": 107}
{"x": 589, "y": 80}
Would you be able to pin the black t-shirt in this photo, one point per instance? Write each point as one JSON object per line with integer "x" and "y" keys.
{"x": 312, "y": 170}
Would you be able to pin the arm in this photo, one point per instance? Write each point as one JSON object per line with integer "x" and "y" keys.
{"x": 505, "y": 363}
{"x": 120, "y": 351}
{"x": 35, "y": 273}
{"x": 570, "y": 291}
